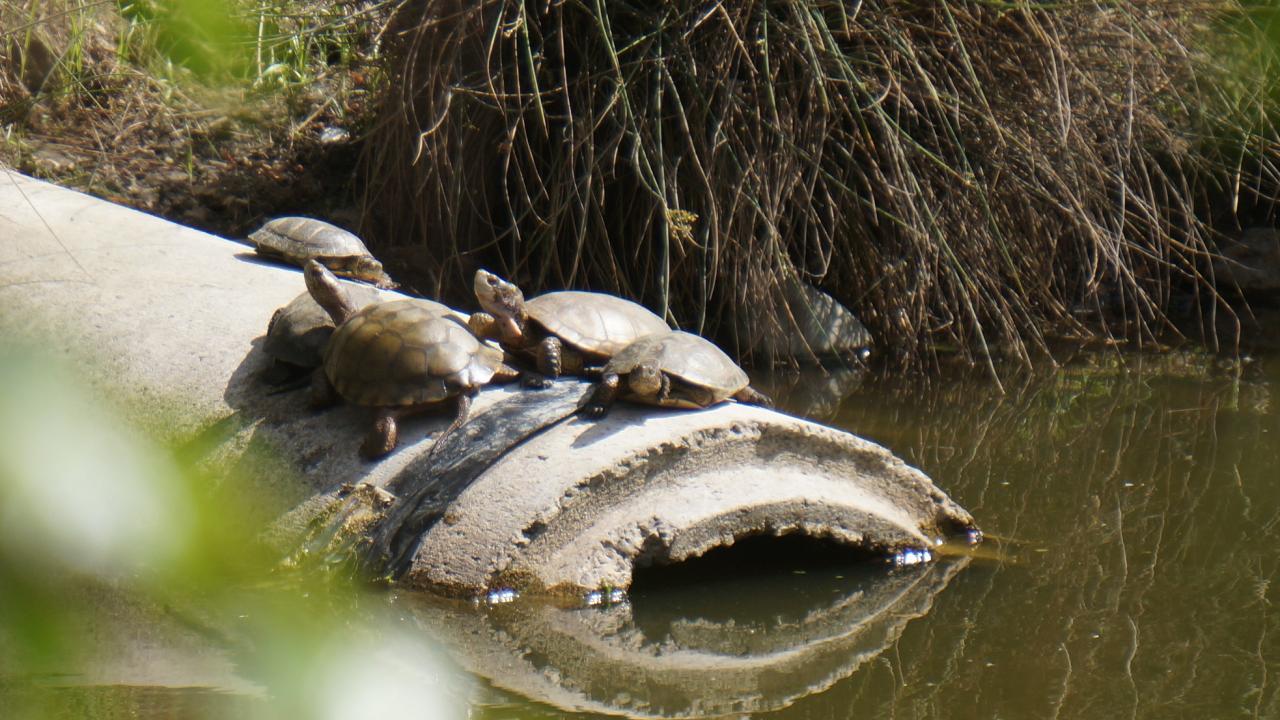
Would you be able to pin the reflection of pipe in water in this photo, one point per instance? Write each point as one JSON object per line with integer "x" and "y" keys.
{"x": 681, "y": 657}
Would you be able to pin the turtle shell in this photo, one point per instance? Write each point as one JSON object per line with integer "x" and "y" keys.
{"x": 299, "y": 331}
{"x": 690, "y": 359}
{"x": 299, "y": 239}
{"x": 400, "y": 353}
{"x": 593, "y": 322}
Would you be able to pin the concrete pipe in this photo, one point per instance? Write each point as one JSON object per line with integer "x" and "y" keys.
{"x": 527, "y": 497}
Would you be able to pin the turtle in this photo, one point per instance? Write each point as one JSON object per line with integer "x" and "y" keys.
{"x": 397, "y": 357}
{"x": 562, "y": 332}
{"x": 672, "y": 369}
{"x": 296, "y": 240}
{"x": 298, "y": 332}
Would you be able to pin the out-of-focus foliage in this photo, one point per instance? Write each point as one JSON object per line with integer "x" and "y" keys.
{"x": 206, "y": 36}
{"x": 91, "y": 510}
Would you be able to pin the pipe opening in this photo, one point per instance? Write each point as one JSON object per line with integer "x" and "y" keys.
{"x": 758, "y": 556}
{"x": 761, "y": 580}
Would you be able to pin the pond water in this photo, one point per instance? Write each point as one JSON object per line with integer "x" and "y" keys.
{"x": 1132, "y": 513}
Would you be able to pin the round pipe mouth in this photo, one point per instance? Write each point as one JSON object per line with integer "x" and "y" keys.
{"x": 573, "y": 510}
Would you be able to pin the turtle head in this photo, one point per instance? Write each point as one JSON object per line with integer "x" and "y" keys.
{"x": 645, "y": 380}
{"x": 368, "y": 268}
{"x": 503, "y": 300}
{"x": 327, "y": 291}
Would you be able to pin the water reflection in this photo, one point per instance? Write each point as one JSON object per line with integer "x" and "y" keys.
{"x": 813, "y": 392}
{"x": 697, "y": 651}
{"x": 1143, "y": 501}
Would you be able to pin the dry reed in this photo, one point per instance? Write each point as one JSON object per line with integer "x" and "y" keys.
{"x": 968, "y": 174}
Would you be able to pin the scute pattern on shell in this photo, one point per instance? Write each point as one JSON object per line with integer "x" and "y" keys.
{"x": 594, "y": 322}
{"x": 690, "y": 358}
{"x": 299, "y": 331}
{"x": 400, "y": 353}
{"x": 299, "y": 239}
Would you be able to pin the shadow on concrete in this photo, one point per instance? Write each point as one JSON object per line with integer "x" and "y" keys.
{"x": 620, "y": 419}
{"x": 434, "y": 479}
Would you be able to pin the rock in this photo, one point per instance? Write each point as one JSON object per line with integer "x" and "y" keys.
{"x": 1251, "y": 263}
{"x": 815, "y": 326}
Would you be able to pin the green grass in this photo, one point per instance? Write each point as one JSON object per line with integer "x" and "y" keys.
{"x": 236, "y": 94}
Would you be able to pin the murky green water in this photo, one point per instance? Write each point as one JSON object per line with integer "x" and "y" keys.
{"x": 1133, "y": 518}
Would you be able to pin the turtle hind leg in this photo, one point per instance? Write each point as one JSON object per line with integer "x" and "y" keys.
{"x": 382, "y": 437}
{"x": 284, "y": 376}
{"x": 751, "y": 396}
{"x": 505, "y": 374}
{"x": 323, "y": 394}
{"x": 602, "y": 397}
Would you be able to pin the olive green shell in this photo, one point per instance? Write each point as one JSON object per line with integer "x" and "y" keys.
{"x": 298, "y": 239}
{"x": 595, "y": 323}
{"x": 400, "y": 353}
{"x": 691, "y": 359}
{"x": 299, "y": 331}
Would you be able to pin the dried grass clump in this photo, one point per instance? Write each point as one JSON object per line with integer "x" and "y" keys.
{"x": 962, "y": 174}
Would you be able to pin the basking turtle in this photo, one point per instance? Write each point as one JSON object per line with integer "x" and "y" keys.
{"x": 298, "y": 333}
{"x": 562, "y": 332}
{"x": 672, "y": 369}
{"x": 397, "y": 357}
{"x": 296, "y": 240}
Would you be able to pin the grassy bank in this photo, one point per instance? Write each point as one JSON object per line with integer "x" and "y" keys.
{"x": 965, "y": 175}
{"x": 214, "y": 113}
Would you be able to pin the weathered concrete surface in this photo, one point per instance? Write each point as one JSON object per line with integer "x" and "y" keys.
{"x": 174, "y": 318}
{"x": 582, "y": 506}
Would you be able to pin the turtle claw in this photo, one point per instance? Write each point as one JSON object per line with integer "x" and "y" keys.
{"x": 595, "y": 411}
{"x": 534, "y": 381}
{"x": 597, "y": 406}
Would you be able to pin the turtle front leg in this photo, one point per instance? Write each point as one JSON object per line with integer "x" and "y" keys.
{"x": 551, "y": 357}
{"x": 603, "y": 396}
{"x": 664, "y": 391}
{"x": 483, "y": 325}
{"x": 383, "y": 437}
{"x": 751, "y": 396}
{"x": 322, "y": 393}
